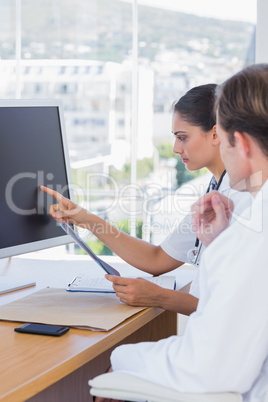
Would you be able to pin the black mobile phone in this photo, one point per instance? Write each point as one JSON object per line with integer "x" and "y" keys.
{"x": 42, "y": 329}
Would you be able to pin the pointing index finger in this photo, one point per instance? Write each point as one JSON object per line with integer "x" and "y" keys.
{"x": 54, "y": 193}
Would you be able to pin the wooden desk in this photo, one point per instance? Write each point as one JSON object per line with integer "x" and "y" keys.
{"x": 40, "y": 368}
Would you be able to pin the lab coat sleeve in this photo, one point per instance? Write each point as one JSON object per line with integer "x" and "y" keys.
{"x": 226, "y": 342}
{"x": 180, "y": 240}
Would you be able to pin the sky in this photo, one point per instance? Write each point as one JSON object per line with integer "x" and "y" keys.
{"x": 240, "y": 10}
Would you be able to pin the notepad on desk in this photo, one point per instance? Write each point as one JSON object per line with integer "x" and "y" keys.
{"x": 102, "y": 285}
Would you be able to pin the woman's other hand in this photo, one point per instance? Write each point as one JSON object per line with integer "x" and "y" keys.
{"x": 136, "y": 292}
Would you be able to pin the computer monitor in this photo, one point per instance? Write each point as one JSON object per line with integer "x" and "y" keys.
{"x": 33, "y": 151}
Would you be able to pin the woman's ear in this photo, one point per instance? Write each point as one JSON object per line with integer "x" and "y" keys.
{"x": 215, "y": 138}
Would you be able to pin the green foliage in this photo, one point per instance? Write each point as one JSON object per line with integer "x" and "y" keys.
{"x": 97, "y": 247}
{"x": 124, "y": 225}
{"x": 79, "y": 177}
{"x": 101, "y": 249}
{"x": 144, "y": 168}
{"x": 120, "y": 176}
{"x": 165, "y": 150}
{"x": 183, "y": 175}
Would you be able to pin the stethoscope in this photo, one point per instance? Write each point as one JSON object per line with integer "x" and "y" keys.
{"x": 194, "y": 253}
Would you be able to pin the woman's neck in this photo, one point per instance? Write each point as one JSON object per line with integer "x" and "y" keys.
{"x": 217, "y": 170}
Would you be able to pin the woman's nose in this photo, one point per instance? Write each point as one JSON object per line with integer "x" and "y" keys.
{"x": 177, "y": 148}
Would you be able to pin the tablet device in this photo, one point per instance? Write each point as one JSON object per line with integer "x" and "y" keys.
{"x": 69, "y": 230}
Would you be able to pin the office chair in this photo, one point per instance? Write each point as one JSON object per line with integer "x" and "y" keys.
{"x": 128, "y": 387}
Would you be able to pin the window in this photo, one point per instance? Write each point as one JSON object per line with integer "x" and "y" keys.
{"x": 118, "y": 66}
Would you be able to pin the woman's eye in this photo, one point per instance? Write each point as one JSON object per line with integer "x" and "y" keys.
{"x": 181, "y": 138}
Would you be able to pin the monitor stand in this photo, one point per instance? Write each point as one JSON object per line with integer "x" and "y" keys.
{"x": 9, "y": 284}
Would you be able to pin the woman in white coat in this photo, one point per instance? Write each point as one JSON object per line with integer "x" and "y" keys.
{"x": 197, "y": 143}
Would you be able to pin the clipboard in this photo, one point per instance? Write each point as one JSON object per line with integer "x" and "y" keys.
{"x": 102, "y": 285}
{"x": 69, "y": 230}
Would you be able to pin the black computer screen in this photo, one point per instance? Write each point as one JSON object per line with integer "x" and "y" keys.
{"x": 31, "y": 153}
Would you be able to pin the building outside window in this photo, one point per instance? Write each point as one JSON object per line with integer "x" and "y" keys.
{"x": 118, "y": 66}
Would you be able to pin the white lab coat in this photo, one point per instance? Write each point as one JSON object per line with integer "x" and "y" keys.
{"x": 225, "y": 345}
{"x": 182, "y": 238}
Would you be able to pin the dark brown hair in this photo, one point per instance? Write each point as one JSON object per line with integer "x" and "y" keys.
{"x": 242, "y": 104}
{"x": 196, "y": 107}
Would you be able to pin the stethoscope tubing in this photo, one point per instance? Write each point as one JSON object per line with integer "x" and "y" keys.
{"x": 197, "y": 248}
